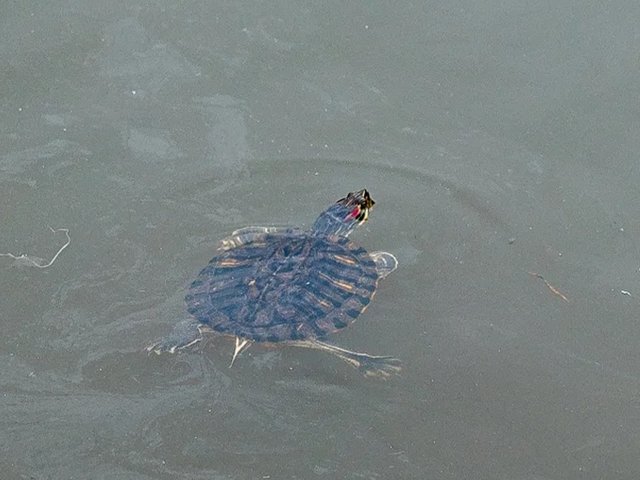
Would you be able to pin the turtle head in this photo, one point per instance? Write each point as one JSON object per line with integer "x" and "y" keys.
{"x": 345, "y": 215}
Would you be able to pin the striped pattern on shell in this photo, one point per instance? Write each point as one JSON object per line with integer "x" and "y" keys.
{"x": 284, "y": 287}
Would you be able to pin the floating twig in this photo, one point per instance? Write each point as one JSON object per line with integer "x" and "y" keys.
{"x": 553, "y": 289}
{"x": 31, "y": 261}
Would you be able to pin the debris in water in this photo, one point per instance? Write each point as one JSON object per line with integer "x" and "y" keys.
{"x": 553, "y": 289}
{"x": 25, "y": 260}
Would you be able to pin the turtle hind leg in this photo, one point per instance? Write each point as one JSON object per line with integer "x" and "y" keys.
{"x": 185, "y": 334}
{"x": 369, "y": 365}
{"x": 385, "y": 263}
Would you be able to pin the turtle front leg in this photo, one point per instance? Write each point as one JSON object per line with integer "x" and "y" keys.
{"x": 385, "y": 263}
{"x": 369, "y": 365}
{"x": 185, "y": 334}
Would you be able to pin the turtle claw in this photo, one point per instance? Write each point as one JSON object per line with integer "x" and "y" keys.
{"x": 168, "y": 346}
{"x": 185, "y": 334}
{"x": 241, "y": 344}
{"x": 381, "y": 367}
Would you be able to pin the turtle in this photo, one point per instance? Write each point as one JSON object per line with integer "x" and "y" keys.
{"x": 290, "y": 286}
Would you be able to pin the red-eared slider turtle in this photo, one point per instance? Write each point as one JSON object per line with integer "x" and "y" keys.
{"x": 289, "y": 286}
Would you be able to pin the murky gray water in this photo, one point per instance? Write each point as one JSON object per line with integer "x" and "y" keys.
{"x": 499, "y": 141}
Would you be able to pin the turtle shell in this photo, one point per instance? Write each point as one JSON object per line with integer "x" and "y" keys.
{"x": 279, "y": 287}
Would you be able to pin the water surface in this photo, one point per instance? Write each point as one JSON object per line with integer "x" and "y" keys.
{"x": 500, "y": 144}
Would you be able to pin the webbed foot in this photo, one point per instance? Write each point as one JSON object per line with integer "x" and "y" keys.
{"x": 247, "y": 235}
{"x": 370, "y": 365}
{"x": 185, "y": 334}
{"x": 385, "y": 263}
{"x": 382, "y": 367}
{"x": 241, "y": 345}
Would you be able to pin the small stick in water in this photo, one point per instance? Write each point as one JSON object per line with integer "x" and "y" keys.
{"x": 553, "y": 289}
